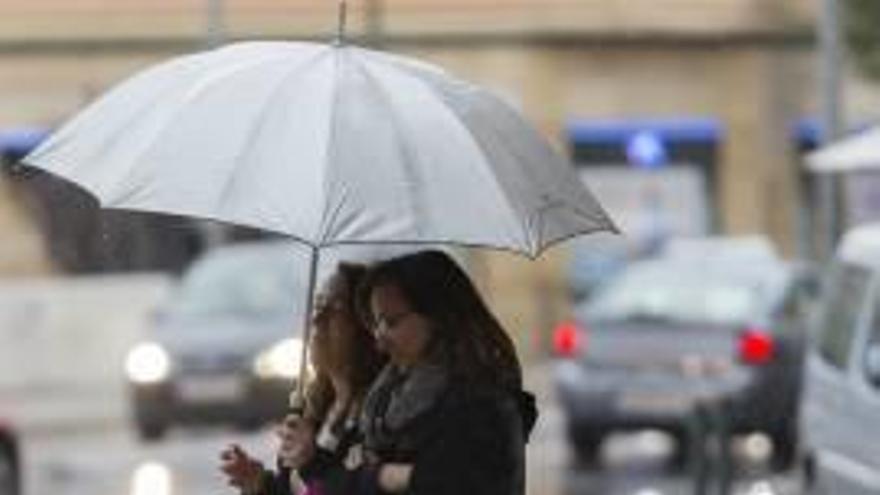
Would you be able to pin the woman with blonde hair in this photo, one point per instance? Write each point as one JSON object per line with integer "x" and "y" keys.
{"x": 315, "y": 444}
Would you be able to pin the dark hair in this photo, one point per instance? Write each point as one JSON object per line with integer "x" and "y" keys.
{"x": 367, "y": 361}
{"x": 471, "y": 339}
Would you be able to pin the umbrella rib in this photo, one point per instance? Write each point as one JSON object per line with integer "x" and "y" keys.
{"x": 533, "y": 227}
{"x": 259, "y": 122}
{"x": 461, "y": 117}
{"x": 327, "y": 220}
{"x": 113, "y": 136}
{"x": 534, "y": 223}
{"x": 188, "y": 96}
{"x": 407, "y": 154}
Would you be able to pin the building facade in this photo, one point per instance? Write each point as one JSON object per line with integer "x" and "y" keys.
{"x": 745, "y": 64}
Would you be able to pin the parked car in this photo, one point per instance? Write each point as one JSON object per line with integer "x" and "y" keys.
{"x": 840, "y": 418}
{"x": 737, "y": 249}
{"x": 226, "y": 346}
{"x": 10, "y": 461}
{"x": 675, "y": 330}
{"x": 594, "y": 261}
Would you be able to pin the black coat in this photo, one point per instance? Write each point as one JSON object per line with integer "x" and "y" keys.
{"x": 472, "y": 441}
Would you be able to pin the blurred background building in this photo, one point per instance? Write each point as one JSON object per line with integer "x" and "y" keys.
{"x": 694, "y": 111}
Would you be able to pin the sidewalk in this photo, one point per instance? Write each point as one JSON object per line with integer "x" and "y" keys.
{"x": 63, "y": 342}
{"x": 58, "y": 411}
{"x": 547, "y": 451}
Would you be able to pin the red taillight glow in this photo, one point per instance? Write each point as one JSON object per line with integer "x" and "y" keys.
{"x": 567, "y": 339}
{"x": 756, "y": 347}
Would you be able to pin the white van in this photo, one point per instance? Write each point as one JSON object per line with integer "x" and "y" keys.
{"x": 840, "y": 417}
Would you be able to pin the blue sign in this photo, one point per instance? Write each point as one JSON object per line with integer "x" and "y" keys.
{"x": 646, "y": 150}
{"x": 21, "y": 140}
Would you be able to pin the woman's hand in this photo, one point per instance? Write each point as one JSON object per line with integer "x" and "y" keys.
{"x": 297, "y": 437}
{"x": 394, "y": 478}
{"x": 242, "y": 471}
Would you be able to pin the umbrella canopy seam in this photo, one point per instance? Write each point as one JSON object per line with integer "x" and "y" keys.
{"x": 127, "y": 190}
{"x": 412, "y": 179}
{"x": 259, "y": 123}
{"x": 418, "y": 73}
{"x": 463, "y": 114}
{"x": 330, "y": 151}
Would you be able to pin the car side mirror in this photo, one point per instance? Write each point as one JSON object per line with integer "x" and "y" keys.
{"x": 872, "y": 363}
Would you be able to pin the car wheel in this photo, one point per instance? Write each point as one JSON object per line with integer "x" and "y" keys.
{"x": 151, "y": 431}
{"x": 810, "y": 479}
{"x": 9, "y": 480}
{"x": 785, "y": 449}
{"x": 587, "y": 446}
{"x": 683, "y": 452}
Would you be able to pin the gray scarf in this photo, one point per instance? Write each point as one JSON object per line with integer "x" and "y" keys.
{"x": 396, "y": 398}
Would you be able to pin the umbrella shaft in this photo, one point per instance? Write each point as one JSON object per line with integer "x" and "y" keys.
{"x": 297, "y": 401}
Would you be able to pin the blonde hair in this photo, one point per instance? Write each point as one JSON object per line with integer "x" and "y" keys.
{"x": 366, "y": 361}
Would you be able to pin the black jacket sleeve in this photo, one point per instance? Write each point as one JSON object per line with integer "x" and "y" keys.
{"x": 276, "y": 482}
{"x": 317, "y": 467}
{"x": 477, "y": 446}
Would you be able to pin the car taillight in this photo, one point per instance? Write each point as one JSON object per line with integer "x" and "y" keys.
{"x": 756, "y": 347}
{"x": 567, "y": 339}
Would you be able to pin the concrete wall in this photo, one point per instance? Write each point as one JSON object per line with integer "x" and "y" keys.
{"x": 72, "y": 332}
{"x": 108, "y": 19}
{"x": 22, "y": 248}
{"x": 63, "y": 343}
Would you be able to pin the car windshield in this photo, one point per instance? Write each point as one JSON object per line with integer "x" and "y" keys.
{"x": 668, "y": 293}
{"x": 239, "y": 283}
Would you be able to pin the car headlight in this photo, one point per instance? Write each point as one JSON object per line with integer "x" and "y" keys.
{"x": 282, "y": 360}
{"x": 147, "y": 363}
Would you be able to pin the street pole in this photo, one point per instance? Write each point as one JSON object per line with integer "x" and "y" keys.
{"x": 215, "y": 26}
{"x": 830, "y": 63}
{"x": 375, "y": 22}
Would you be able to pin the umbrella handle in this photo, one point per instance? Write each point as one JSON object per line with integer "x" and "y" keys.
{"x": 340, "y": 26}
{"x": 297, "y": 398}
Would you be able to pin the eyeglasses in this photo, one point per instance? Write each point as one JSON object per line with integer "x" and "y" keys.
{"x": 384, "y": 323}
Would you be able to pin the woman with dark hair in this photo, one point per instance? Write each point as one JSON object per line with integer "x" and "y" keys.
{"x": 447, "y": 415}
{"x": 345, "y": 361}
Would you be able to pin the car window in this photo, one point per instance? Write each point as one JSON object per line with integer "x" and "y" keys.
{"x": 263, "y": 284}
{"x": 796, "y": 306}
{"x": 845, "y": 297}
{"x": 668, "y": 293}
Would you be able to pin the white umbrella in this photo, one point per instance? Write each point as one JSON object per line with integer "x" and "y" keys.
{"x": 328, "y": 144}
{"x": 856, "y": 153}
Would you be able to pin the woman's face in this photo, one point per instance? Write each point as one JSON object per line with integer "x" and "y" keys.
{"x": 334, "y": 327}
{"x": 400, "y": 332}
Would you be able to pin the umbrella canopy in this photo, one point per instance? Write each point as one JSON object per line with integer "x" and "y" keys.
{"x": 327, "y": 144}
{"x": 859, "y": 152}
